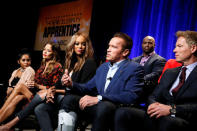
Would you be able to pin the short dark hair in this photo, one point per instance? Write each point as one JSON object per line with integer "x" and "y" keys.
{"x": 190, "y": 37}
{"x": 128, "y": 41}
{"x": 23, "y": 51}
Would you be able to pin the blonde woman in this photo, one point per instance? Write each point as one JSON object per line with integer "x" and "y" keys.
{"x": 79, "y": 58}
{"x": 81, "y": 68}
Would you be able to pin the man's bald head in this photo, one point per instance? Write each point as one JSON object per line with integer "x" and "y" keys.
{"x": 149, "y": 38}
{"x": 148, "y": 45}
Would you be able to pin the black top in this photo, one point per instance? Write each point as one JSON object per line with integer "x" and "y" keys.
{"x": 85, "y": 74}
{"x": 15, "y": 81}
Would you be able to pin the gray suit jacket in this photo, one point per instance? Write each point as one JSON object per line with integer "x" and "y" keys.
{"x": 153, "y": 67}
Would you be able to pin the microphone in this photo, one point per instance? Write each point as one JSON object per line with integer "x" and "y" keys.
{"x": 110, "y": 78}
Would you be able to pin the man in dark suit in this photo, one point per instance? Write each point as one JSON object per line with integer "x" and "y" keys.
{"x": 153, "y": 65}
{"x": 173, "y": 104}
{"x": 119, "y": 82}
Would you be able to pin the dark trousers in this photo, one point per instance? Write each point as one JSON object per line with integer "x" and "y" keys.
{"x": 45, "y": 112}
{"x": 101, "y": 114}
{"x": 42, "y": 112}
{"x": 127, "y": 119}
{"x": 30, "y": 107}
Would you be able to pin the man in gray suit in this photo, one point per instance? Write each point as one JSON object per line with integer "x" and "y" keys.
{"x": 153, "y": 65}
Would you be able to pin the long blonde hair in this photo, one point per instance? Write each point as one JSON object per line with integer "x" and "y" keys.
{"x": 54, "y": 59}
{"x": 70, "y": 54}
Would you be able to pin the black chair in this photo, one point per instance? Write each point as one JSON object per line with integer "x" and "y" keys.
{"x": 2, "y": 93}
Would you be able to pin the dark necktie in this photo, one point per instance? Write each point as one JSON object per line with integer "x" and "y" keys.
{"x": 181, "y": 81}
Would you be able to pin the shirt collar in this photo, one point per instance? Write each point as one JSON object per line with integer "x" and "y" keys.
{"x": 191, "y": 66}
{"x": 116, "y": 64}
{"x": 150, "y": 54}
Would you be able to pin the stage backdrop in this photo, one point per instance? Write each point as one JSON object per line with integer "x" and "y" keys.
{"x": 57, "y": 23}
{"x": 160, "y": 19}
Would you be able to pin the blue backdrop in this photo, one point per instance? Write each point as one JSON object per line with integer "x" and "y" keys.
{"x": 160, "y": 19}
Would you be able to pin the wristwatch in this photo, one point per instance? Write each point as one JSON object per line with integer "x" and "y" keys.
{"x": 99, "y": 97}
{"x": 173, "y": 111}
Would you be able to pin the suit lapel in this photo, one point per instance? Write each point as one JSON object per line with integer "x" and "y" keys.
{"x": 138, "y": 59}
{"x": 172, "y": 77}
{"x": 103, "y": 81}
{"x": 150, "y": 60}
{"x": 168, "y": 81}
{"x": 117, "y": 75}
{"x": 190, "y": 78}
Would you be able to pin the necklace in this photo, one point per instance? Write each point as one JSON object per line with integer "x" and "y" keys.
{"x": 22, "y": 70}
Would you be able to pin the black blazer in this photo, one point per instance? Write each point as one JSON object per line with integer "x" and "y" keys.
{"x": 186, "y": 98}
{"x": 85, "y": 74}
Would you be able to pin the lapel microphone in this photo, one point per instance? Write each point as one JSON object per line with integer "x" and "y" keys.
{"x": 110, "y": 78}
